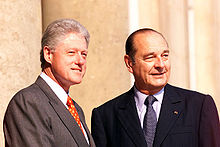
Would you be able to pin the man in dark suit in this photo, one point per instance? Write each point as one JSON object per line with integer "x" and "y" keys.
{"x": 152, "y": 112}
{"x": 43, "y": 114}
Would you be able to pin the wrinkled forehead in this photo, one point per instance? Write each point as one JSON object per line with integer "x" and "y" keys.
{"x": 149, "y": 40}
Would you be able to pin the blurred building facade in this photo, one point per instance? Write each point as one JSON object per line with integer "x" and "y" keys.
{"x": 190, "y": 26}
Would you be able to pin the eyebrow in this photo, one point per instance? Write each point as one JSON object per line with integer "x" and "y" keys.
{"x": 166, "y": 51}
{"x": 148, "y": 54}
{"x": 151, "y": 53}
{"x": 83, "y": 50}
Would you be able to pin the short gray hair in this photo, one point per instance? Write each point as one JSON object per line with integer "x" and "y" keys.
{"x": 57, "y": 30}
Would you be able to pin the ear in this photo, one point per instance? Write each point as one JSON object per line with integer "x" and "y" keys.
{"x": 47, "y": 54}
{"x": 128, "y": 63}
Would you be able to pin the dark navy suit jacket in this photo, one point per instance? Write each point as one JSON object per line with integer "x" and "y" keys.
{"x": 187, "y": 119}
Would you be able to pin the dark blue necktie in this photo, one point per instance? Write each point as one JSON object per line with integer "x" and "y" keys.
{"x": 150, "y": 121}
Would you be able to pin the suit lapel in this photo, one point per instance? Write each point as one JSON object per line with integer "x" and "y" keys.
{"x": 63, "y": 113}
{"x": 171, "y": 109}
{"x": 91, "y": 141}
{"x": 82, "y": 118}
{"x": 128, "y": 116}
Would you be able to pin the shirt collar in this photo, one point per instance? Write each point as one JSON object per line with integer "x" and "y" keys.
{"x": 140, "y": 97}
{"x": 57, "y": 89}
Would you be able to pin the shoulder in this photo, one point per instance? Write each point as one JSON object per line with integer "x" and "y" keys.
{"x": 29, "y": 96}
{"x": 189, "y": 95}
{"x": 32, "y": 91}
{"x": 180, "y": 90}
{"x": 120, "y": 100}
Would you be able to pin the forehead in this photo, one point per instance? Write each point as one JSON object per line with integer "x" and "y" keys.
{"x": 73, "y": 37}
{"x": 148, "y": 42}
{"x": 73, "y": 40}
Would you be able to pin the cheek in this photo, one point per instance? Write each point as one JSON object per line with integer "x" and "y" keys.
{"x": 148, "y": 67}
{"x": 69, "y": 62}
{"x": 168, "y": 67}
{"x": 167, "y": 64}
{"x": 59, "y": 60}
{"x": 84, "y": 67}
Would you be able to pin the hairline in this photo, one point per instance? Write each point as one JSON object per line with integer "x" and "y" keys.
{"x": 130, "y": 41}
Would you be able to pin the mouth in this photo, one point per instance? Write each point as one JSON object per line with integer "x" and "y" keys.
{"x": 76, "y": 69}
{"x": 158, "y": 73}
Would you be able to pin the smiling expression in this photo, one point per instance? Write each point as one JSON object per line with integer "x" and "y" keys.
{"x": 68, "y": 61}
{"x": 151, "y": 67}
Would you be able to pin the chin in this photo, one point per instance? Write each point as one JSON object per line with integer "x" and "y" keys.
{"x": 78, "y": 82}
{"x": 75, "y": 82}
{"x": 159, "y": 85}
{"x": 161, "y": 82}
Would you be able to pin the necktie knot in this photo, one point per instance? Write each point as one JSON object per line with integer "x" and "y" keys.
{"x": 69, "y": 101}
{"x": 150, "y": 100}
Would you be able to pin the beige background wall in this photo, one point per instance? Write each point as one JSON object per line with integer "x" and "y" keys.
{"x": 20, "y": 29}
{"x": 193, "y": 39}
{"x": 207, "y": 47}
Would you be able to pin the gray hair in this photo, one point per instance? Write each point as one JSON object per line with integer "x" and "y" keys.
{"x": 57, "y": 30}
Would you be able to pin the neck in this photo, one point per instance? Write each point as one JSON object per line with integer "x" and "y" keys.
{"x": 50, "y": 74}
{"x": 149, "y": 91}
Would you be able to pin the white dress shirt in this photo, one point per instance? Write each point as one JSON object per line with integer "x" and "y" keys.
{"x": 141, "y": 107}
{"x": 61, "y": 94}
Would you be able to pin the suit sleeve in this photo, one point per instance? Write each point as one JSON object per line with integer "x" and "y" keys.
{"x": 98, "y": 130}
{"x": 209, "y": 134}
{"x": 25, "y": 124}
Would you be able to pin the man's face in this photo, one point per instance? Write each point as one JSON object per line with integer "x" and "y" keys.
{"x": 68, "y": 62}
{"x": 151, "y": 69}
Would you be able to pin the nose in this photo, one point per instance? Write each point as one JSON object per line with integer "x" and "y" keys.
{"x": 80, "y": 59}
{"x": 159, "y": 63}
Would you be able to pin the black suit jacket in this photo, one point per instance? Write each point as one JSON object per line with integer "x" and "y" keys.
{"x": 35, "y": 117}
{"x": 187, "y": 119}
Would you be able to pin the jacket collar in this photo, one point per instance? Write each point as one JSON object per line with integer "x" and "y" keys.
{"x": 63, "y": 113}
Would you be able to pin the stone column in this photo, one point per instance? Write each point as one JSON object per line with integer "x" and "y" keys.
{"x": 217, "y": 51}
{"x": 173, "y": 25}
{"x": 207, "y": 47}
{"x": 20, "y": 27}
{"x": 149, "y": 14}
{"x": 107, "y": 22}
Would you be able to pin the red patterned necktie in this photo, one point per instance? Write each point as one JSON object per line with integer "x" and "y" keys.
{"x": 73, "y": 111}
